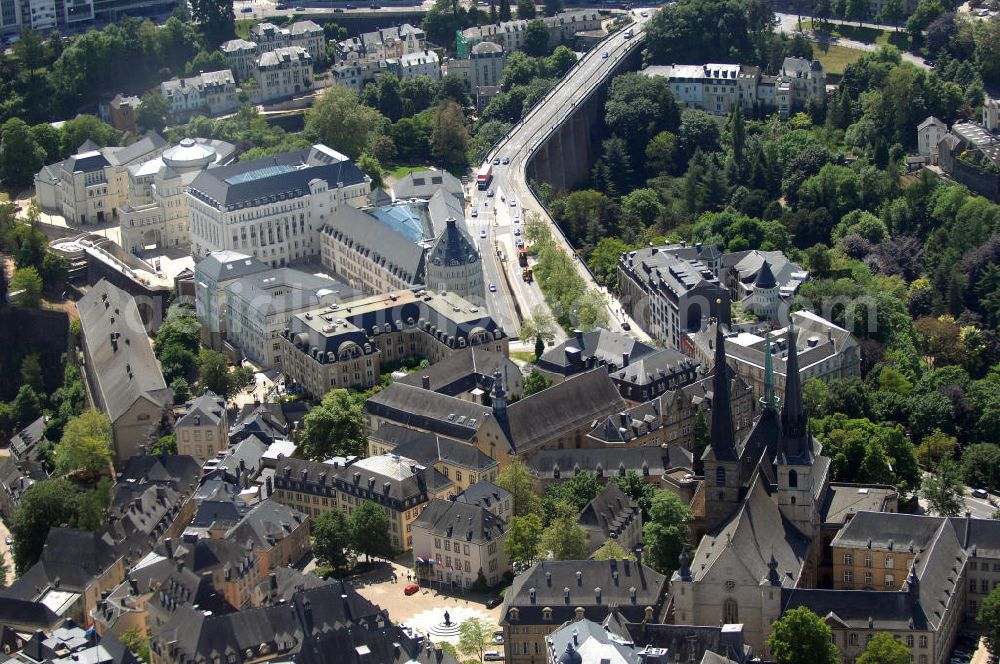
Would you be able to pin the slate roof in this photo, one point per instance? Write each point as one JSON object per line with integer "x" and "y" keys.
{"x": 149, "y": 143}
{"x": 551, "y": 578}
{"x": 745, "y": 266}
{"x": 610, "y": 511}
{"x": 461, "y": 521}
{"x": 424, "y": 184}
{"x": 425, "y": 409}
{"x": 611, "y": 461}
{"x": 282, "y": 629}
{"x": 464, "y": 371}
{"x": 931, "y": 120}
{"x": 216, "y": 512}
{"x": 16, "y": 476}
{"x": 266, "y": 524}
{"x": 374, "y": 241}
{"x": 299, "y": 290}
{"x": 661, "y": 363}
{"x": 882, "y": 530}
{"x": 628, "y": 424}
{"x": 283, "y": 582}
{"x": 428, "y": 448}
{"x": 599, "y": 346}
{"x": 125, "y": 369}
{"x": 225, "y": 265}
{"x": 243, "y": 458}
{"x": 207, "y": 409}
{"x": 756, "y": 533}
{"x": 573, "y": 403}
{"x": 289, "y": 174}
{"x": 587, "y": 641}
{"x": 844, "y": 501}
{"x": 484, "y": 494}
{"x": 384, "y": 479}
{"x": 86, "y": 162}
{"x": 453, "y": 247}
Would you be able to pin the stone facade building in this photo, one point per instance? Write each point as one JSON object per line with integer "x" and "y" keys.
{"x": 203, "y": 428}
{"x": 208, "y": 93}
{"x": 272, "y": 208}
{"x": 456, "y": 543}
{"x": 345, "y": 346}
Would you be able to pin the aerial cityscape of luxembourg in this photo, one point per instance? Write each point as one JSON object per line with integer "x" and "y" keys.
{"x": 523, "y": 331}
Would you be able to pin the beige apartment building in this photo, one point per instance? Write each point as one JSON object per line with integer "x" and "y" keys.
{"x": 400, "y": 486}
{"x": 283, "y": 72}
{"x": 346, "y": 345}
{"x": 456, "y": 543}
{"x": 203, "y": 429}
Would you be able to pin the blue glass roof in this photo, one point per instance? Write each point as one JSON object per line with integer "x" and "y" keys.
{"x": 260, "y": 173}
{"x": 406, "y": 220}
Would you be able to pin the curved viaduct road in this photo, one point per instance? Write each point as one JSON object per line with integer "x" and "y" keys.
{"x": 546, "y": 122}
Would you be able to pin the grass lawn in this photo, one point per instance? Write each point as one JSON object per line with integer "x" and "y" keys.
{"x": 403, "y": 171}
{"x": 243, "y": 26}
{"x": 835, "y": 58}
{"x": 523, "y": 355}
{"x": 865, "y": 35}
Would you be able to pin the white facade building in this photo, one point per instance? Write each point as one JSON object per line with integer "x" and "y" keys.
{"x": 156, "y": 211}
{"x": 283, "y": 72}
{"x": 421, "y": 63}
{"x": 272, "y": 208}
{"x": 209, "y": 93}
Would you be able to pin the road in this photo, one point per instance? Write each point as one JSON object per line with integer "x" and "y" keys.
{"x": 509, "y": 180}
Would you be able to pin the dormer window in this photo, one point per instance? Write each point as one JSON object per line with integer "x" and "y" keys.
{"x": 547, "y": 614}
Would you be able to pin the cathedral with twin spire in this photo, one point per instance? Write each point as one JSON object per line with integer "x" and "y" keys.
{"x": 768, "y": 510}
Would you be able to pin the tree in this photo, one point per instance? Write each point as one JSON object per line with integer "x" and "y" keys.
{"x": 181, "y": 389}
{"x": 564, "y": 538}
{"x": 553, "y": 7}
{"x": 152, "y": 112}
{"x": 539, "y": 346}
{"x": 536, "y": 39}
{"x": 335, "y": 427}
{"x": 883, "y": 649}
{"x": 576, "y": 492}
{"x": 418, "y": 93}
{"x": 536, "y": 381}
{"x": 164, "y": 445}
{"x": 20, "y": 155}
{"x": 612, "y": 550}
{"x": 802, "y": 637}
{"x": 473, "y": 636}
{"x": 369, "y": 527}
{"x": 892, "y": 11}
{"x": 982, "y": 465}
{"x": 31, "y": 372}
{"x": 561, "y": 61}
{"x": 989, "y": 621}
{"x": 942, "y": 489}
{"x": 450, "y": 137}
{"x": 639, "y": 210}
{"x": 516, "y": 479}
{"x": 331, "y": 539}
{"x": 214, "y": 370}
{"x": 390, "y": 99}
{"x": 660, "y": 152}
{"x": 526, "y": 9}
{"x": 592, "y": 310}
{"x": 371, "y": 167}
{"x": 136, "y": 642}
{"x": 217, "y": 19}
{"x": 524, "y": 538}
{"x": 539, "y": 325}
{"x": 85, "y": 444}
{"x": 505, "y": 13}
{"x": 665, "y": 532}
{"x": 27, "y": 281}
{"x": 338, "y": 119}
{"x": 44, "y": 505}
{"x": 639, "y": 108}
{"x": 637, "y": 488}
{"x": 935, "y": 447}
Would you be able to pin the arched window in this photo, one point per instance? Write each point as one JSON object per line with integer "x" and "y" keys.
{"x": 730, "y": 611}
{"x": 720, "y": 476}
{"x": 793, "y": 479}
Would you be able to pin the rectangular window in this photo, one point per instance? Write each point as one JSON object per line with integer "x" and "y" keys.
{"x": 848, "y": 559}
{"x": 848, "y": 576}
{"x": 447, "y": 545}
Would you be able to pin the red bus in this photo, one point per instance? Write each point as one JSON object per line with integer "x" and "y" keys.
{"x": 485, "y": 176}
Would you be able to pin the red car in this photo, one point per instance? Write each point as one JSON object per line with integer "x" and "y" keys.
{"x": 411, "y": 589}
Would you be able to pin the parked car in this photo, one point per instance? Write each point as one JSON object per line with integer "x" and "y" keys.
{"x": 493, "y": 287}
{"x": 513, "y": 202}
{"x": 492, "y": 656}
{"x": 489, "y": 193}
{"x": 496, "y": 161}
{"x": 604, "y": 56}
{"x": 494, "y": 602}
{"x": 981, "y": 493}
{"x": 247, "y": 10}
{"x": 482, "y": 233}
{"x": 8, "y": 540}
{"x": 475, "y": 212}
{"x": 411, "y": 589}
{"x": 517, "y": 232}
{"x": 506, "y": 160}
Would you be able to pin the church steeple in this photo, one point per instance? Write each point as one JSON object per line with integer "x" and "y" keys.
{"x": 498, "y": 395}
{"x": 722, "y": 446}
{"x": 794, "y": 422}
{"x": 770, "y": 400}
